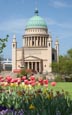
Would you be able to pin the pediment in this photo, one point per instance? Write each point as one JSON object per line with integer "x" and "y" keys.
{"x": 32, "y": 58}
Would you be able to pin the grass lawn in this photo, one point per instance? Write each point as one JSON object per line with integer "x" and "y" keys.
{"x": 66, "y": 86}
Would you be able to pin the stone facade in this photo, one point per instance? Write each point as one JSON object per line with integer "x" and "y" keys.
{"x": 37, "y": 52}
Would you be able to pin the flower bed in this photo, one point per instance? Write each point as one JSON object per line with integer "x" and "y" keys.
{"x": 21, "y": 96}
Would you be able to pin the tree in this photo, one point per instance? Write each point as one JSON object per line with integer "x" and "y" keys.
{"x": 3, "y": 43}
{"x": 64, "y": 66}
{"x": 2, "y": 46}
{"x": 69, "y": 54}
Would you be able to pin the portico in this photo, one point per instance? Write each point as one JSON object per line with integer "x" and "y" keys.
{"x": 33, "y": 63}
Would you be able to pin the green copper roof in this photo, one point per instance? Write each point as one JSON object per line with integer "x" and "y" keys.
{"x": 36, "y": 22}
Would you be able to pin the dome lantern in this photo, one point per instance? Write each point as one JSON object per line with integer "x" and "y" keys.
{"x": 36, "y": 12}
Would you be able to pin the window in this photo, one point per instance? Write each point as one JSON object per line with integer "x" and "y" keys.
{"x": 53, "y": 57}
{"x": 32, "y": 43}
{"x": 13, "y": 45}
{"x": 49, "y": 44}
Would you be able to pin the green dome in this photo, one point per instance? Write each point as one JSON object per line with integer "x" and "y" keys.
{"x": 36, "y": 22}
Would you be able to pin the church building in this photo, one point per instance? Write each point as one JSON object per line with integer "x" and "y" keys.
{"x": 36, "y": 52}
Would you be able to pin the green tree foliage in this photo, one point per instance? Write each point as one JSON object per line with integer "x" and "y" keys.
{"x": 3, "y": 43}
{"x": 69, "y": 54}
{"x": 2, "y": 46}
{"x": 64, "y": 66}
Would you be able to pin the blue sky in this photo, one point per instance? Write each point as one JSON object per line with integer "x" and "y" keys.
{"x": 14, "y": 15}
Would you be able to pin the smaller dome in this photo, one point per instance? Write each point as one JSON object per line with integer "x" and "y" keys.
{"x": 36, "y": 22}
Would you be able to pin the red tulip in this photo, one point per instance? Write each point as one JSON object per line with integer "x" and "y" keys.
{"x": 32, "y": 77}
{"x": 8, "y": 78}
{"x": 53, "y": 83}
{"x": 41, "y": 81}
{"x": 45, "y": 81}
{"x": 23, "y": 78}
{"x": 16, "y": 79}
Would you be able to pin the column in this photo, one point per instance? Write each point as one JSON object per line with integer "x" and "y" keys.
{"x": 43, "y": 42}
{"x": 39, "y": 66}
{"x": 35, "y": 66}
{"x": 34, "y": 41}
{"x": 37, "y": 41}
{"x": 28, "y": 41}
{"x": 31, "y": 41}
{"x": 28, "y": 65}
{"x": 40, "y": 41}
{"x": 32, "y": 65}
{"x": 25, "y": 41}
{"x": 46, "y": 41}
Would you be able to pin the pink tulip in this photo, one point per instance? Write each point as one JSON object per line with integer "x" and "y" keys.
{"x": 2, "y": 80}
{"x": 30, "y": 82}
{"x": 12, "y": 81}
{"x": 33, "y": 84}
{"x": 23, "y": 78}
{"x": 26, "y": 82}
{"x": 1, "y": 77}
{"x": 19, "y": 81}
{"x": 53, "y": 83}
{"x": 17, "y": 70}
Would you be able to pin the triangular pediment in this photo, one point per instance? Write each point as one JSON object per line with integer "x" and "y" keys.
{"x": 32, "y": 58}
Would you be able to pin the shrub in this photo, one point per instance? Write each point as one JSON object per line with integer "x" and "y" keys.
{"x": 24, "y": 72}
{"x": 58, "y": 78}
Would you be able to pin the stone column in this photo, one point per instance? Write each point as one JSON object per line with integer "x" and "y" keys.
{"x": 31, "y": 65}
{"x": 35, "y": 66}
{"x": 43, "y": 42}
{"x": 40, "y": 41}
{"x": 28, "y": 65}
{"x": 28, "y": 41}
{"x": 37, "y": 41}
{"x": 25, "y": 41}
{"x": 46, "y": 41}
{"x": 39, "y": 66}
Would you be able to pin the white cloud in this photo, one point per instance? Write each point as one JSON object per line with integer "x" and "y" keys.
{"x": 59, "y": 4}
